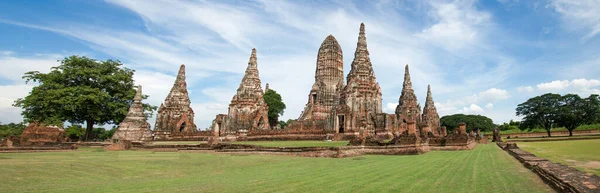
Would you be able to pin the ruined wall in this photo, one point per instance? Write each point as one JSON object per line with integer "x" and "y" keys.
{"x": 40, "y": 134}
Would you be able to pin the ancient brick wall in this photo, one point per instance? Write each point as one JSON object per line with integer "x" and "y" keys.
{"x": 40, "y": 134}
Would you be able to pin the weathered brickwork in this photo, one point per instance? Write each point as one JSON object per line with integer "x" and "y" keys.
{"x": 329, "y": 76}
{"x": 39, "y": 134}
{"x": 360, "y": 100}
{"x": 247, "y": 110}
{"x": 134, "y": 127}
{"x": 175, "y": 115}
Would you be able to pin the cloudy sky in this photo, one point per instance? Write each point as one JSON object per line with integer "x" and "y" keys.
{"x": 480, "y": 57}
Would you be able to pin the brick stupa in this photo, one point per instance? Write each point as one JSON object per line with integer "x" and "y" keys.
{"x": 175, "y": 115}
{"x": 134, "y": 127}
{"x": 329, "y": 76}
{"x": 360, "y": 100}
{"x": 248, "y": 110}
{"x": 408, "y": 109}
{"x": 430, "y": 116}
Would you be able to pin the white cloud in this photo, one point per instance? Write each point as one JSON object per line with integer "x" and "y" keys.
{"x": 458, "y": 25}
{"x": 524, "y": 89}
{"x": 493, "y": 94}
{"x": 577, "y": 86}
{"x": 14, "y": 67}
{"x": 553, "y": 86}
{"x": 581, "y": 15}
{"x": 489, "y": 106}
{"x": 9, "y": 94}
{"x": 472, "y": 109}
{"x": 390, "y": 108}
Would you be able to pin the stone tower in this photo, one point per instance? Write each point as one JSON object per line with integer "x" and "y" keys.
{"x": 360, "y": 99}
{"x": 430, "y": 115}
{"x": 408, "y": 109}
{"x": 134, "y": 127}
{"x": 329, "y": 75}
{"x": 175, "y": 115}
{"x": 248, "y": 110}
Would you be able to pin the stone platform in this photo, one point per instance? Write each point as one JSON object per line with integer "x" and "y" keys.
{"x": 561, "y": 177}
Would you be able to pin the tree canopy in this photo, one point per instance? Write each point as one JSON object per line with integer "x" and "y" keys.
{"x": 276, "y": 106}
{"x": 540, "y": 110}
{"x": 11, "y": 129}
{"x": 551, "y": 110}
{"x": 80, "y": 90}
{"x": 575, "y": 111}
{"x": 473, "y": 122}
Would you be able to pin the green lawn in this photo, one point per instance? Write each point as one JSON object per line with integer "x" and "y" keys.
{"x": 484, "y": 169}
{"x": 177, "y": 142}
{"x": 582, "y": 154}
{"x": 558, "y": 137}
{"x": 295, "y": 143}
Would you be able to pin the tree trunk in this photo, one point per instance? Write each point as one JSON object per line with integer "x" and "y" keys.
{"x": 88, "y": 130}
{"x": 549, "y": 134}
{"x": 570, "y": 132}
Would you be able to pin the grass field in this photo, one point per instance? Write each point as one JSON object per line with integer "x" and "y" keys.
{"x": 484, "y": 169}
{"x": 558, "y": 137}
{"x": 295, "y": 143}
{"x": 582, "y": 154}
{"x": 177, "y": 142}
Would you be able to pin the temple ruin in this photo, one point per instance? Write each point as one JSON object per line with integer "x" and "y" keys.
{"x": 355, "y": 108}
{"x": 359, "y": 105}
{"x": 175, "y": 116}
{"x": 338, "y": 110}
{"x": 134, "y": 127}
{"x": 40, "y": 134}
{"x": 247, "y": 110}
{"x": 329, "y": 76}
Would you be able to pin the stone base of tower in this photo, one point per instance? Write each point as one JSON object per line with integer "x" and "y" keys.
{"x": 133, "y": 135}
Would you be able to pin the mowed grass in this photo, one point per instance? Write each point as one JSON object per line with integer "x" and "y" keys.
{"x": 294, "y": 143}
{"x": 484, "y": 169}
{"x": 581, "y": 154}
{"x": 553, "y": 138}
{"x": 178, "y": 142}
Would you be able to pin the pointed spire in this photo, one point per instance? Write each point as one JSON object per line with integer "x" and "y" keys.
{"x": 266, "y": 87}
{"x": 361, "y": 61}
{"x": 429, "y": 97}
{"x": 251, "y": 80}
{"x": 181, "y": 73}
{"x": 252, "y": 61}
{"x": 138, "y": 94}
{"x": 429, "y": 100}
{"x": 361, "y": 45}
{"x": 407, "y": 83}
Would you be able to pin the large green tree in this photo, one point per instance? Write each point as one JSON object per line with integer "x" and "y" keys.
{"x": 276, "y": 106}
{"x": 473, "y": 122}
{"x": 540, "y": 111}
{"x": 575, "y": 111}
{"x": 80, "y": 90}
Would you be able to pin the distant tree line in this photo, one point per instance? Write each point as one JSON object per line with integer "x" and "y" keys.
{"x": 553, "y": 110}
{"x": 473, "y": 122}
{"x": 11, "y": 129}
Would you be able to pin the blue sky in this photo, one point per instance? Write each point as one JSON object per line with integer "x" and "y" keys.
{"x": 480, "y": 57}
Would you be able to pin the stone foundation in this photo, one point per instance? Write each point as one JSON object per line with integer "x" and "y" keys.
{"x": 561, "y": 177}
{"x": 37, "y": 134}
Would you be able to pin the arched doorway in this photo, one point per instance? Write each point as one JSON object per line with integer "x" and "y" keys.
{"x": 182, "y": 127}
